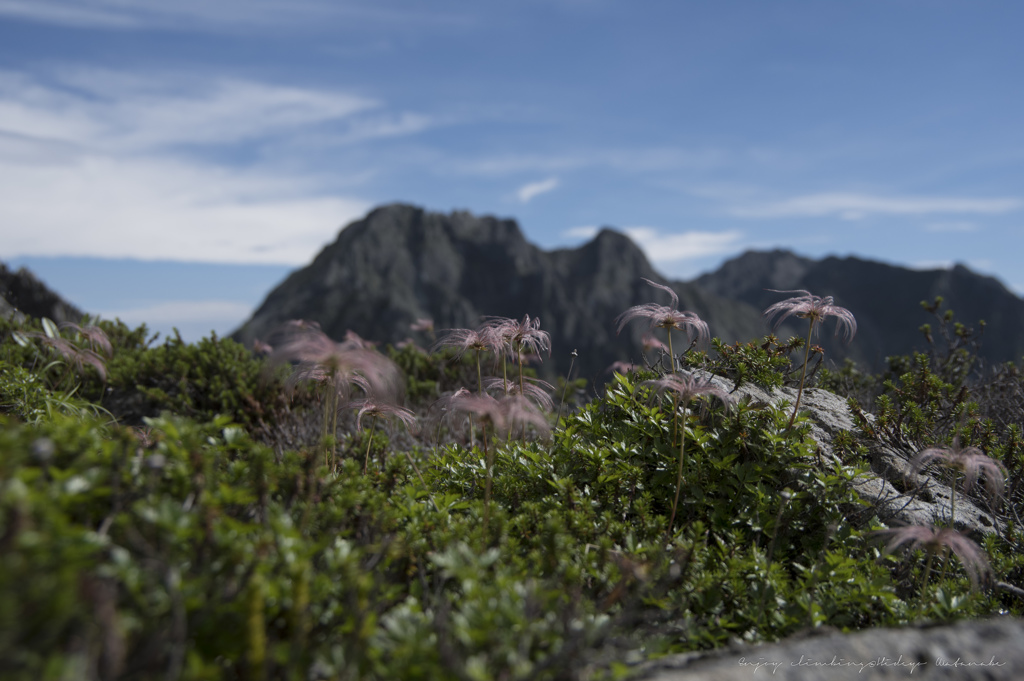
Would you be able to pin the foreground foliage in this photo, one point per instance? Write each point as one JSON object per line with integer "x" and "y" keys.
{"x": 178, "y": 520}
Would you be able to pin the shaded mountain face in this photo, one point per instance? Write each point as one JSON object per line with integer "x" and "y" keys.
{"x": 401, "y": 263}
{"x": 21, "y": 292}
{"x": 885, "y": 299}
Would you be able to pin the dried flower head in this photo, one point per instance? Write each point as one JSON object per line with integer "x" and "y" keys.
{"x": 381, "y": 410}
{"x": 463, "y": 340}
{"x": 970, "y": 461}
{"x": 666, "y": 317}
{"x": 814, "y": 308}
{"x": 517, "y": 337}
{"x": 347, "y": 364}
{"x": 97, "y": 337}
{"x": 533, "y": 389}
{"x": 939, "y": 540}
{"x": 424, "y": 325}
{"x": 687, "y": 387}
{"x": 78, "y": 357}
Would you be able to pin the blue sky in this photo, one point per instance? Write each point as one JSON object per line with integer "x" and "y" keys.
{"x": 171, "y": 162}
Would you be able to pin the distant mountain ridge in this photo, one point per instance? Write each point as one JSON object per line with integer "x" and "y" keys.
{"x": 401, "y": 263}
{"x": 884, "y": 298}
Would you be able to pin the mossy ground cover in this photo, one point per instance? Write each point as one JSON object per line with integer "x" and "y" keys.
{"x": 179, "y": 519}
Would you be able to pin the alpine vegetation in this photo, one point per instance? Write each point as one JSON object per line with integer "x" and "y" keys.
{"x": 684, "y": 389}
{"x": 202, "y": 511}
{"x": 815, "y": 310}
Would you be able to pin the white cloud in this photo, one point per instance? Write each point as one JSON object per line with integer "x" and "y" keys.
{"x": 583, "y": 232}
{"x": 857, "y": 206}
{"x": 661, "y": 247}
{"x": 115, "y": 113}
{"x": 97, "y": 163}
{"x": 163, "y": 209}
{"x": 228, "y": 15}
{"x": 529, "y": 191}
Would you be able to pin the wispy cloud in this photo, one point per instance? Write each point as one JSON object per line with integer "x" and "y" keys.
{"x": 528, "y": 191}
{"x": 662, "y": 247}
{"x": 116, "y": 112}
{"x": 581, "y": 232}
{"x": 858, "y": 206}
{"x": 225, "y": 15}
{"x": 99, "y": 163}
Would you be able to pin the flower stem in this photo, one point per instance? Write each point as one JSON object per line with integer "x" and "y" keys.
{"x": 803, "y": 373}
{"x": 369, "y": 443}
{"x": 679, "y": 475}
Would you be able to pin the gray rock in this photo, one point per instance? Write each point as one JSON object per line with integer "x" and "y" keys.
{"x": 895, "y": 493}
{"x": 988, "y": 649}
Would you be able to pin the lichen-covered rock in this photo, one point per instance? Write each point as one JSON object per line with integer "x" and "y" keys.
{"x": 992, "y": 650}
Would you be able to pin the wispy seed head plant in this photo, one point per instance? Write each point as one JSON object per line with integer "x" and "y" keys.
{"x": 815, "y": 310}
{"x": 78, "y": 357}
{"x": 684, "y": 389}
{"x": 668, "y": 318}
{"x": 939, "y": 540}
{"x": 972, "y": 462}
{"x": 517, "y": 337}
{"x": 378, "y": 409}
{"x": 481, "y": 340}
{"x": 337, "y": 368}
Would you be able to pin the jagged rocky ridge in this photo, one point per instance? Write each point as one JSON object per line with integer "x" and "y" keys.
{"x": 885, "y": 299}
{"x": 401, "y": 263}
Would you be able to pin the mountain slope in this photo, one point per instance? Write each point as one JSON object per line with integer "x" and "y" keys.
{"x": 21, "y": 292}
{"x": 884, "y": 298}
{"x": 401, "y": 263}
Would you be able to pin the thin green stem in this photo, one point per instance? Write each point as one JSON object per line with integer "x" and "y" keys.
{"x": 679, "y": 475}
{"x": 803, "y": 373}
{"x": 369, "y": 443}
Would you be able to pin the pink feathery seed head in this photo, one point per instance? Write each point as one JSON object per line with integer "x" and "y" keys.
{"x": 662, "y": 317}
{"x": 354, "y": 340}
{"x": 935, "y": 540}
{"x": 462, "y": 340}
{"x": 970, "y": 461}
{"x": 814, "y": 308}
{"x": 621, "y": 367}
{"x": 424, "y": 325}
{"x": 687, "y": 387}
{"x": 519, "y": 411}
{"x": 534, "y": 389}
{"x": 380, "y": 409}
{"x": 77, "y": 356}
{"x": 650, "y": 343}
{"x": 96, "y": 336}
{"x": 666, "y": 289}
{"x": 318, "y": 358}
{"x": 517, "y": 336}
